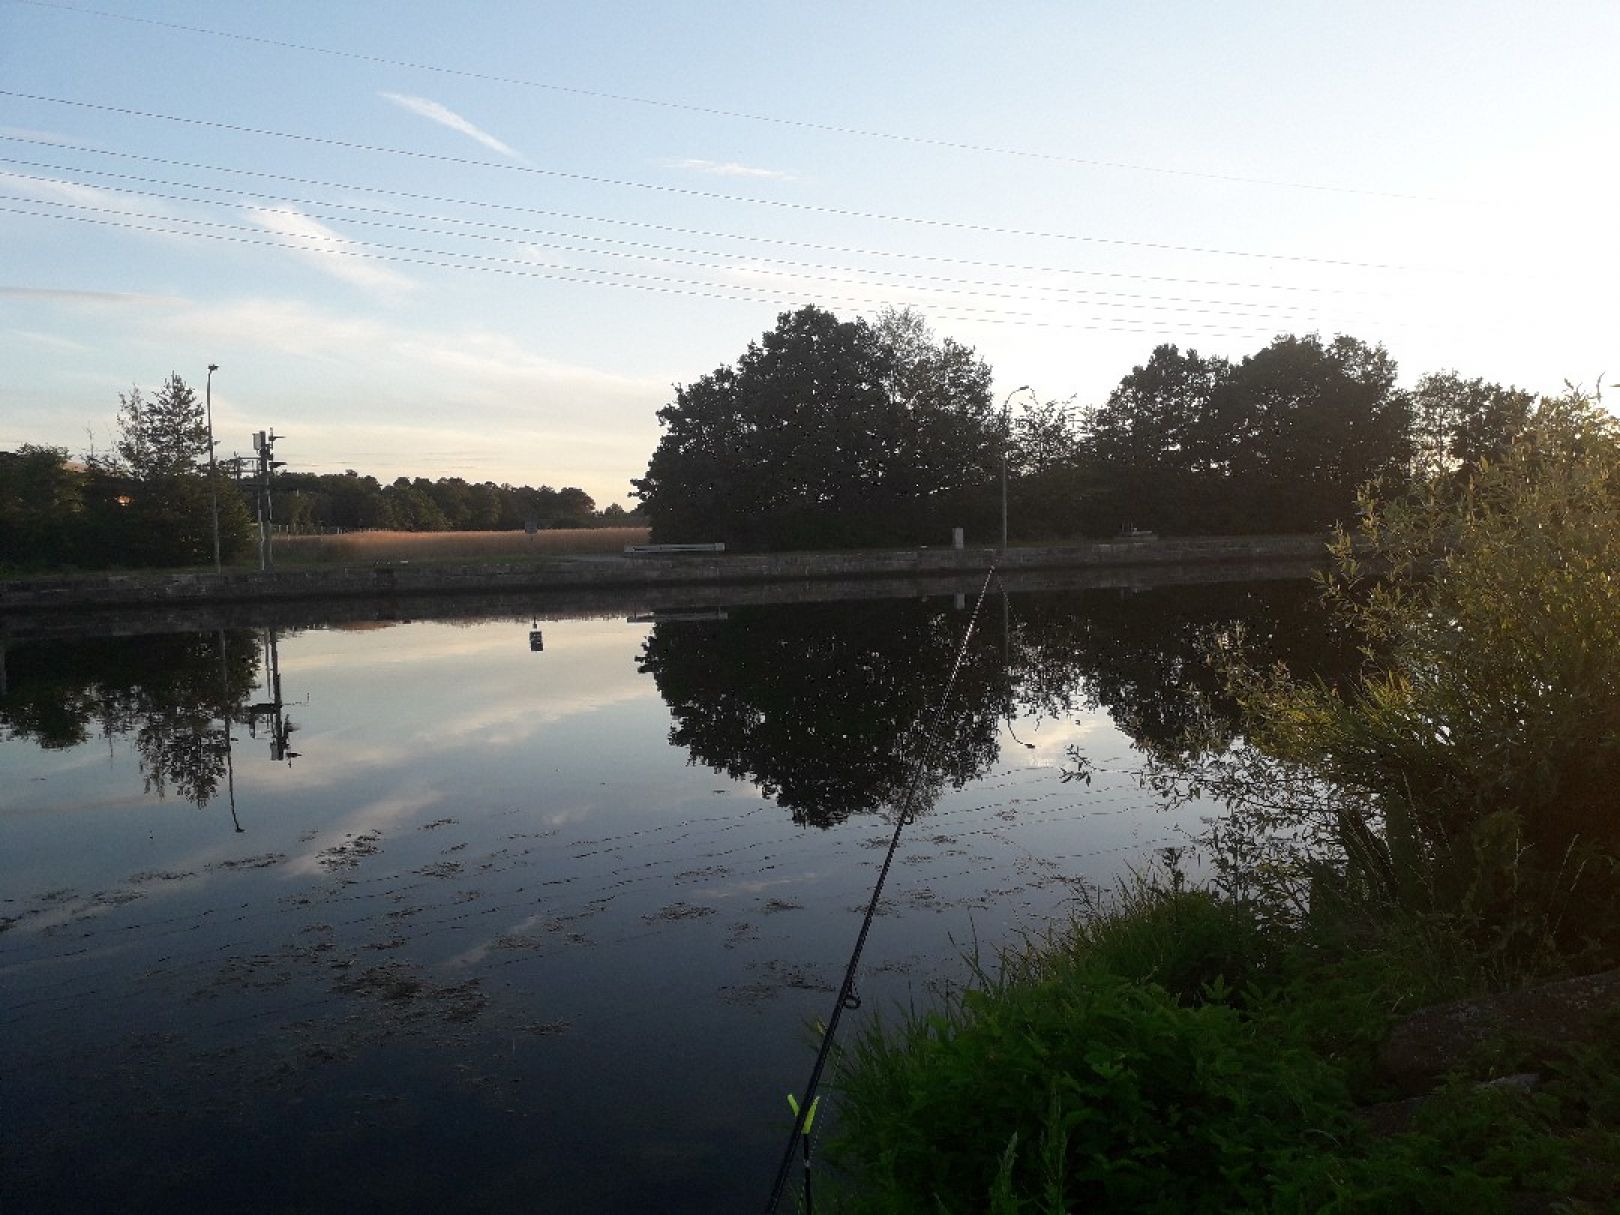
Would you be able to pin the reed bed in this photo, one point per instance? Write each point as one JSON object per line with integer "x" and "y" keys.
{"x": 363, "y": 547}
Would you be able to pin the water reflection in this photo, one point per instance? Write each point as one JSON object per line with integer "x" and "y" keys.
{"x": 1143, "y": 657}
{"x": 817, "y": 704}
{"x": 175, "y": 698}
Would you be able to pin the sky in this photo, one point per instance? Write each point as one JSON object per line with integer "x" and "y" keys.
{"x": 488, "y": 239}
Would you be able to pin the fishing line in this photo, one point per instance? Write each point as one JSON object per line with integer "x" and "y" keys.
{"x": 907, "y": 812}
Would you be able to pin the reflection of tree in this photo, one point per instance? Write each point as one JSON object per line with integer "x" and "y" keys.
{"x": 1143, "y": 656}
{"x": 173, "y": 695}
{"x": 818, "y": 702}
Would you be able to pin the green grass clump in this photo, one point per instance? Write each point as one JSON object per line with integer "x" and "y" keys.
{"x": 1178, "y": 1055}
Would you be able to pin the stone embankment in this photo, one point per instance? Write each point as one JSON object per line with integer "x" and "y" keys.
{"x": 576, "y": 574}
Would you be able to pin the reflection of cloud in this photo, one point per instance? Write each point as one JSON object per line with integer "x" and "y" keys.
{"x": 445, "y": 116}
{"x": 480, "y": 709}
{"x": 755, "y": 886}
{"x": 376, "y": 816}
{"x": 304, "y": 234}
{"x": 475, "y": 954}
{"x": 495, "y": 726}
{"x": 728, "y": 168}
{"x": 1053, "y": 738}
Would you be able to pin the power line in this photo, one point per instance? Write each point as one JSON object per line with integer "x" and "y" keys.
{"x": 719, "y": 112}
{"x": 954, "y": 286}
{"x": 784, "y": 242}
{"x": 711, "y": 195}
{"x": 645, "y": 282}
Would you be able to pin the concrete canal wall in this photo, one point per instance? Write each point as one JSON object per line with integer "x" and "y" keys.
{"x": 568, "y": 576}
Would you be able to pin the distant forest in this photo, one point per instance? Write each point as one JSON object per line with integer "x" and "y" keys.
{"x": 312, "y": 501}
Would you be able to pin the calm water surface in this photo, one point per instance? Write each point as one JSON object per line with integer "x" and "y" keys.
{"x": 450, "y": 922}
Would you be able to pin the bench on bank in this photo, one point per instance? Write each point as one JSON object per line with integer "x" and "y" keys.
{"x": 659, "y": 550}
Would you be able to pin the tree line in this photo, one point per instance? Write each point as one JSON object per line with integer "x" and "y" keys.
{"x": 829, "y": 432}
{"x": 313, "y": 501}
{"x": 150, "y": 500}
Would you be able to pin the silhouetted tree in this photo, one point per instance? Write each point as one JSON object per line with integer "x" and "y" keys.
{"x": 827, "y": 432}
{"x": 41, "y": 507}
{"x": 1280, "y": 441}
{"x": 1162, "y": 453}
{"x": 149, "y": 502}
{"x": 1458, "y": 424}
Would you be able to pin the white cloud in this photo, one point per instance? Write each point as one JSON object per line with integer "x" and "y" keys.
{"x": 307, "y": 235}
{"x": 447, "y": 117}
{"x": 61, "y": 295}
{"x": 75, "y": 193}
{"x": 727, "y": 168}
{"x": 49, "y": 340}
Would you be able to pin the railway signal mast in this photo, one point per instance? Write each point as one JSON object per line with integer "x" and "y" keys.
{"x": 264, "y": 445}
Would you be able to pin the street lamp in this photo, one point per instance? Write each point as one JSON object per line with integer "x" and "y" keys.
{"x": 1006, "y": 441}
{"x": 213, "y": 471}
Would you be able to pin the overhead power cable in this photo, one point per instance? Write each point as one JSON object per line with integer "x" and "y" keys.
{"x": 949, "y": 286}
{"x": 646, "y": 282}
{"x": 711, "y": 195}
{"x": 953, "y": 145}
{"x": 648, "y": 225}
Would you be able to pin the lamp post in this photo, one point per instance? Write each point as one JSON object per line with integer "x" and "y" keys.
{"x": 1006, "y": 441}
{"x": 213, "y": 471}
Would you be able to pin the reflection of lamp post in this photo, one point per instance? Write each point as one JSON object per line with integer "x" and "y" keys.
{"x": 213, "y": 471}
{"x": 1006, "y": 441}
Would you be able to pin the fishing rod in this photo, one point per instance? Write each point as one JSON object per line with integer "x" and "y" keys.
{"x": 804, "y": 1110}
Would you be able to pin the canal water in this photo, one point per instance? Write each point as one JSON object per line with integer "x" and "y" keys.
{"x": 524, "y": 914}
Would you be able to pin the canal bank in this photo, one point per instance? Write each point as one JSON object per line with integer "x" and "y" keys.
{"x": 575, "y": 574}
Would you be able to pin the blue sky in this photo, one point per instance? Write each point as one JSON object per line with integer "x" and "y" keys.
{"x": 495, "y": 263}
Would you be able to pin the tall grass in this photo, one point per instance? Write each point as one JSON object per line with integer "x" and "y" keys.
{"x": 365, "y": 547}
{"x": 1179, "y": 1053}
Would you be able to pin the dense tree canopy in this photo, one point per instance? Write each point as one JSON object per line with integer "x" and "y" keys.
{"x": 827, "y": 432}
{"x": 1277, "y": 442}
{"x": 41, "y": 505}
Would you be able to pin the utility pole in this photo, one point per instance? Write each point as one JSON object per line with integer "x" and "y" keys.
{"x": 213, "y": 468}
{"x": 1006, "y": 442}
{"x": 264, "y": 444}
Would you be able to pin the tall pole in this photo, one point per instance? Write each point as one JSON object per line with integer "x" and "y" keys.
{"x": 213, "y": 470}
{"x": 1006, "y": 441}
